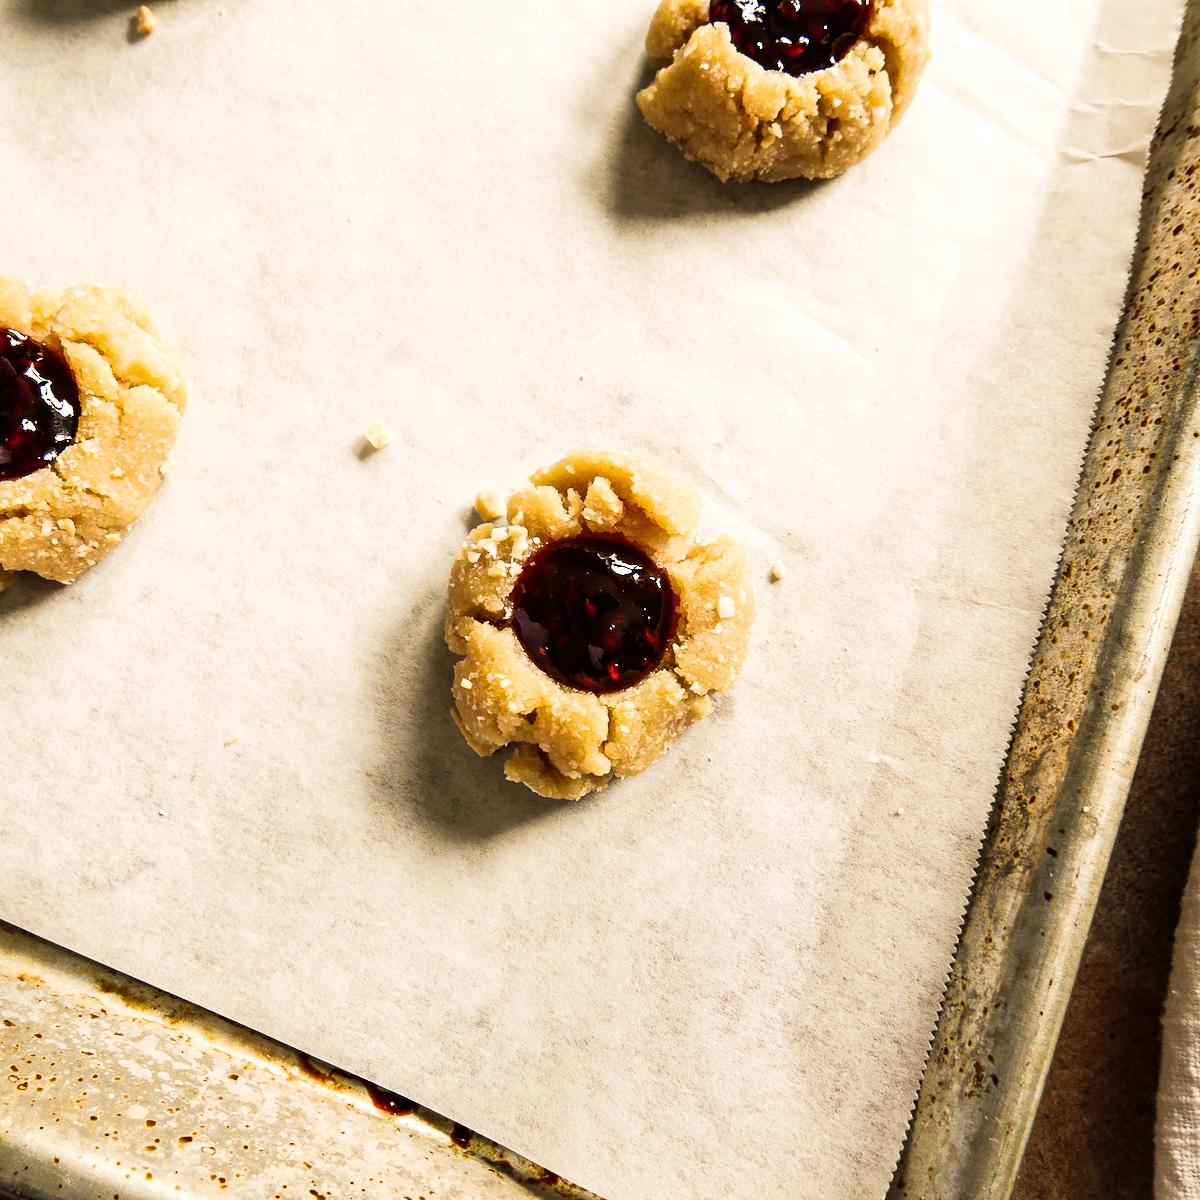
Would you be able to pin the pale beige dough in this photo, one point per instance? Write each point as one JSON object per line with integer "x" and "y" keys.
{"x": 743, "y": 122}
{"x": 568, "y": 742}
{"x": 65, "y": 517}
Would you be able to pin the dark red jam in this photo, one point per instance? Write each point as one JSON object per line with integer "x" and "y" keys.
{"x": 39, "y": 405}
{"x": 796, "y": 36}
{"x": 594, "y": 613}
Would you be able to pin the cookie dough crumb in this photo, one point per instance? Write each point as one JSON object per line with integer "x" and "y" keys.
{"x": 489, "y": 504}
{"x": 602, "y": 507}
{"x": 379, "y": 436}
{"x": 147, "y": 22}
{"x": 168, "y": 466}
{"x": 779, "y": 572}
{"x": 233, "y": 737}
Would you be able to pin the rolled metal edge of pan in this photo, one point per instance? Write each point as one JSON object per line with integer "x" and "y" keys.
{"x": 1128, "y": 556}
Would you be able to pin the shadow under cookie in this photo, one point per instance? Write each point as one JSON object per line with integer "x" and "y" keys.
{"x": 425, "y": 769}
{"x": 71, "y": 12}
{"x": 649, "y": 180}
{"x": 26, "y": 591}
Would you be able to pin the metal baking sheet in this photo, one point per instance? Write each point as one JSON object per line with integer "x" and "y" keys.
{"x": 115, "y": 1089}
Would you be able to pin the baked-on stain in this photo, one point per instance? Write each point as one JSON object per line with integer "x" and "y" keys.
{"x": 794, "y": 36}
{"x": 390, "y": 1102}
{"x": 461, "y": 1136}
{"x": 39, "y": 405}
{"x": 594, "y": 613}
{"x": 310, "y": 1068}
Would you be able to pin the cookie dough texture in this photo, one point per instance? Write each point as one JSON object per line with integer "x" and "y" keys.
{"x": 568, "y": 742}
{"x": 743, "y": 122}
{"x": 65, "y": 517}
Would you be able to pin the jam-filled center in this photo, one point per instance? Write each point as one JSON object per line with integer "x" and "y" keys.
{"x": 39, "y": 405}
{"x": 594, "y": 613}
{"x": 796, "y": 36}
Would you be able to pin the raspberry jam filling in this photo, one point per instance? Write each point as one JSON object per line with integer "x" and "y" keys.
{"x": 795, "y": 36}
{"x": 594, "y": 613}
{"x": 39, "y": 405}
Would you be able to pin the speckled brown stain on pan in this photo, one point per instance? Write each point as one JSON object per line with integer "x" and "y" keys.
{"x": 110, "y": 1089}
{"x": 1089, "y": 695}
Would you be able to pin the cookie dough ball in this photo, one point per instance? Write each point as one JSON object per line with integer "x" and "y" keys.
{"x": 62, "y": 517}
{"x": 742, "y": 121}
{"x": 578, "y": 722}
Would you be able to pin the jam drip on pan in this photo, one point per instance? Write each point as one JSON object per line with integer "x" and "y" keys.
{"x": 795, "y": 36}
{"x": 39, "y": 405}
{"x": 594, "y": 613}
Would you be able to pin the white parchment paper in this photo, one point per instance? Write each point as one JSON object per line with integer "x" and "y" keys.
{"x": 717, "y": 979}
